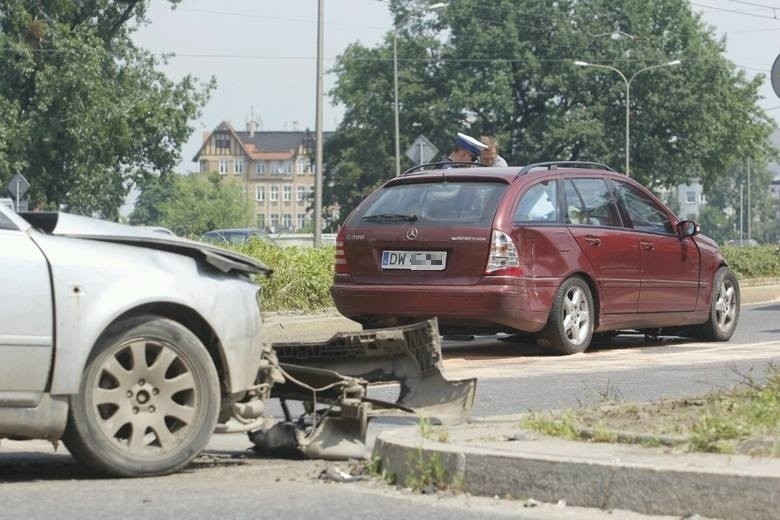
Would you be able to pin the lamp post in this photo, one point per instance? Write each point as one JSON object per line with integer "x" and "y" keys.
{"x": 628, "y": 93}
{"x": 318, "y": 130}
{"x": 434, "y": 7}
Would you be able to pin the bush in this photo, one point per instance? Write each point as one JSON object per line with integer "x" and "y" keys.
{"x": 754, "y": 262}
{"x": 302, "y": 275}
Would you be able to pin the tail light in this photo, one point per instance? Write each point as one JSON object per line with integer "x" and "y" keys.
{"x": 341, "y": 258}
{"x": 503, "y": 260}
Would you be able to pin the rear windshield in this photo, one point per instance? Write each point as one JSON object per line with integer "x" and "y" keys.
{"x": 436, "y": 203}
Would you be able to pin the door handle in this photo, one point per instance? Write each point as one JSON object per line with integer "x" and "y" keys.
{"x": 590, "y": 239}
{"x": 647, "y": 245}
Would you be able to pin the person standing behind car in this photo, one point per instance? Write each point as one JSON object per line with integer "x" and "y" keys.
{"x": 466, "y": 149}
{"x": 489, "y": 155}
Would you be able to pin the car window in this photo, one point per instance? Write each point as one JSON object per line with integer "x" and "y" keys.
{"x": 439, "y": 203}
{"x": 595, "y": 203}
{"x": 645, "y": 214}
{"x": 539, "y": 203}
{"x": 5, "y": 223}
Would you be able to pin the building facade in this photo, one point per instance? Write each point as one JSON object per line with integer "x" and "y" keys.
{"x": 275, "y": 168}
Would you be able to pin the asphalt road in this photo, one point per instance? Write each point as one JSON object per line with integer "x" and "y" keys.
{"x": 226, "y": 481}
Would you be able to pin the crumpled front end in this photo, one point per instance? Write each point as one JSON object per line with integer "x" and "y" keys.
{"x": 332, "y": 379}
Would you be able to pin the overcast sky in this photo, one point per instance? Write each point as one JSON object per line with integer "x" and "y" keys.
{"x": 263, "y": 52}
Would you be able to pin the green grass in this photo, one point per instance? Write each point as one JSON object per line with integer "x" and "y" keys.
{"x": 745, "y": 419}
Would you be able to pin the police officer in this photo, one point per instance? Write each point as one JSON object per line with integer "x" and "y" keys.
{"x": 466, "y": 149}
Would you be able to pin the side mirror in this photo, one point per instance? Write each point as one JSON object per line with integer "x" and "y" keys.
{"x": 688, "y": 228}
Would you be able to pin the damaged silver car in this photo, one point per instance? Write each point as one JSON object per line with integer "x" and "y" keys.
{"x": 133, "y": 348}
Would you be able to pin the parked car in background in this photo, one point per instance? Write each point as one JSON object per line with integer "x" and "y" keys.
{"x": 126, "y": 344}
{"x": 557, "y": 250}
{"x": 159, "y": 230}
{"x": 235, "y": 236}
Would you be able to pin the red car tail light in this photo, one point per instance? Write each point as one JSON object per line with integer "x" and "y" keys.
{"x": 341, "y": 258}
{"x": 503, "y": 260}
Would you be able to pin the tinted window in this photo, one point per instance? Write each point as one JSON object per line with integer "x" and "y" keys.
{"x": 436, "y": 203}
{"x": 596, "y": 204}
{"x": 644, "y": 212}
{"x": 539, "y": 203}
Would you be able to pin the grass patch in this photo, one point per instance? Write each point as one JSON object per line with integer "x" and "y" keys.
{"x": 745, "y": 419}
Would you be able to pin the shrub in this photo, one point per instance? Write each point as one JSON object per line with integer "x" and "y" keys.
{"x": 754, "y": 262}
{"x": 302, "y": 275}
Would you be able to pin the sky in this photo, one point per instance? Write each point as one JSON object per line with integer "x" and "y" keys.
{"x": 263, "y": 53}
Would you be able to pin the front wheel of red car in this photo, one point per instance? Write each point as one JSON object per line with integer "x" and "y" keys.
{"x": 724, "y": 308}
{"x": 569, "y": 328}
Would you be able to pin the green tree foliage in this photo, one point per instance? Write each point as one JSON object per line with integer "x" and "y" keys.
{"x": 85, "y": 112}
{"x": 506, "y": 68}
{"x": 192, "y": 205}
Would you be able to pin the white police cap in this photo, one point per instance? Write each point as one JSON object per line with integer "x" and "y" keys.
{"x": 468, "y": 143}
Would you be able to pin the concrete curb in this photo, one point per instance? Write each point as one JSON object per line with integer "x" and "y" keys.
{"x": 496, "y": 458}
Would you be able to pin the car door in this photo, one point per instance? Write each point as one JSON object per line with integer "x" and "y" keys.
{"x": 593, "y": 219}
{"x": 26, "y": 318}
{"x": 669, "y": 264}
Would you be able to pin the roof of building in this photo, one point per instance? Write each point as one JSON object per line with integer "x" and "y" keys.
{"x": 265, "y": 145}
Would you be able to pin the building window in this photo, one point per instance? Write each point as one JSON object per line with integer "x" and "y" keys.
{"x": 223, "y": 167}
{"x": 222, "y": 141}
{"x": 287, "y": 165}
{"x": 203, "y": 166}
{"x": 300, "y": 194}
{"x": 274, "y": 222}
{"x": 301, "y": 217}
{"x": 286, "y": 221}
{"x": 260, "y": 220}
{"x": 287, "y": 193}
{"x": 260, "y": 167}
{"x": 274, "y": 194}
{"x": 301, "y": 166}
{"x": 259, "y": 193}
{"x": 238, "y": 166}
{"x": 690, "y": 197}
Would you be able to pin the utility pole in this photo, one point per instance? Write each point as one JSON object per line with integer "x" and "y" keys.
{"x": 749, "y": 212}
{"x": 318, "y": 131}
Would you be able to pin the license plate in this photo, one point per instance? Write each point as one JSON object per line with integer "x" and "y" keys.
{"x": 414, "y": 260}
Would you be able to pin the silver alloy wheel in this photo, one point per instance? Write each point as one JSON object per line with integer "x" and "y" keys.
{"x": 576, "y": 316}
{"x": 725, "y": 304}
{"x": 145, "y": 397}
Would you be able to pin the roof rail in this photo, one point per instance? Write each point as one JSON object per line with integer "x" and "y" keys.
{"x": 439, "y": 165}
{"x": 554, "y": 165}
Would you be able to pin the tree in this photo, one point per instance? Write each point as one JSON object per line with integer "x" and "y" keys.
{"x": 507, "y": 68}
{"x": 86, "y": 114}
{"x": 191, "y": 205}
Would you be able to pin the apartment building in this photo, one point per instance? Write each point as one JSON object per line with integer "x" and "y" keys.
{"x": 276, "y": 169}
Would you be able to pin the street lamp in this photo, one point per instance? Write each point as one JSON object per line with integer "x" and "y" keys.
{"x": 628, "y": 93}
{"x": 433, "y": 7}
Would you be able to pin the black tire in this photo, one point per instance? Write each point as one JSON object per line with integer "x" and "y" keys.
{"x": 148, "y": 400}
{"x": 569, "y": 328}
{"x": 724, "y": 308}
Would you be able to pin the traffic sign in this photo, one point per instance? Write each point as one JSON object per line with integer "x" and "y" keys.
{"x": 775, "y": 78}
{"x": 18, "y": 186}
{"x": 421, "y": 151}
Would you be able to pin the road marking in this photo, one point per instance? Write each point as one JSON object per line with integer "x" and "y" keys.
{"x": 613, "y": 359}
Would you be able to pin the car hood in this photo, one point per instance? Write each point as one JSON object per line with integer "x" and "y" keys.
{"x": 65, "y": 224}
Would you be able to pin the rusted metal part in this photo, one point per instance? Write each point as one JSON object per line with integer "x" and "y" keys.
{"x": 332, "y": 379}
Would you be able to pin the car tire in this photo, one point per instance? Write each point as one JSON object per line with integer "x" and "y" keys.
{"x": 148, "y": 400}
{"x": 569, "y": 327}
{"x": 724, "y": 308}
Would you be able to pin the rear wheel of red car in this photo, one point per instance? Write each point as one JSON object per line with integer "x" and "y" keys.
{"x": 724, "y": 308}
{"x": 148, "y": 400}
{"x": 569, "y": 328}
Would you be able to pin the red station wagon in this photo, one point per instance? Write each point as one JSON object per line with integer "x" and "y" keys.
{"x": 560, "y": 250}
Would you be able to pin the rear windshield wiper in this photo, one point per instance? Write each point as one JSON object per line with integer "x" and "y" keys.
{"x": 388, "y": 217}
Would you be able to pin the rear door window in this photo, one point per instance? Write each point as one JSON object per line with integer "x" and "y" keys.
{"x": 437, "y": 203}
{"x": 590, "y": 202}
